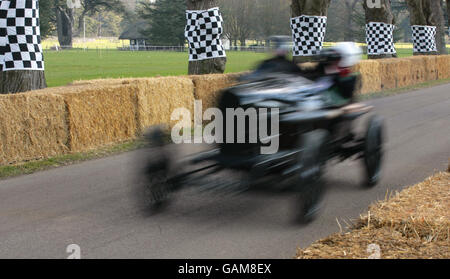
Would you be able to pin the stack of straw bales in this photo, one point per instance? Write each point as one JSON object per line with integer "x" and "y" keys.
{"x": 418, "y": 69}
{"x": 208, "y": 87}
{"x": 370, "y": 76}
{"x": 32, "y": 126}
{"x": 157, "y": 98}
{"x": 413, "y": 224}
{"x": 89, "y": 114}
{"x": 99, "y": 115}
{"x": 443, "y": 66}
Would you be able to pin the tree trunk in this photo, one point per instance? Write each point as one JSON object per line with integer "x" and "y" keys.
{"x": 350, "y": 7}
{"x": 15, "y": 81}
{"x": 430, "y": 13}
{"x": 448, "y": 12}
{"x": 311, "y": 8}
{"x": 437, "y": 19}
{"x": 21, "y": 81}
{"x": 80, "y": 24}
{"x": 64, "y": 22}
{"x": 382, "y": 14}
{"x": 207, "y": 66}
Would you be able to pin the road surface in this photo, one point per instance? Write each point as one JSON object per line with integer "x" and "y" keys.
{"x": 89, "y": 204}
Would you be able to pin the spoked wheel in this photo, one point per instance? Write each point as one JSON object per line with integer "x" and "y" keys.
{"x": 157, "y": 189}
{"x": 373, "y": 150}
{"x": 311, "y": 187}
{"x": 158, "y": 171}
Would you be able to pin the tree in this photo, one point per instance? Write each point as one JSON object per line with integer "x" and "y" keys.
{"x": 14, "y": 81}
{"x": 312, "y": 8}
{"x": 254, "y": 19}
{"x": 47, "y": 18}
{"x": 21, "y": 81}
{"x": 230, "y": 25}
{"x": 104, "y": 23}
{"x": 382, "y": 13}
{"x": 207, "y": 66}
{"x": 59, "y": 15}
{"x": 448, "y": 12}
{"x": 92, "y": 7}
{"x": 239, "y": 19}
{"x": 64, "y": 22}
{"x": 437, "y": 10}
{"x": 350, "y": 6}
{"x": 402, "y": 27}
{"x": 271, "y": 18}
{"x": 166, "y": 19}
{"x": 430, "y": 13}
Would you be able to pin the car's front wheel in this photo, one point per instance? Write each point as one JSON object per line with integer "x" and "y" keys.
{"x": 310, "y": 185}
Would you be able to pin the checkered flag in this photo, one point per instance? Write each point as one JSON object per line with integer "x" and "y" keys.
{"x": 380, "y": 38}
{"x": 308, "y": 33}
{"x": 20, "y": 38}
{"x": 424, "y": 38}
{"x": 203, "y": 30}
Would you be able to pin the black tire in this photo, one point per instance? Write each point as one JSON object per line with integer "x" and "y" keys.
{"x": 310, "y": 185}
{"x": 157, "y": 189}
{"x": 373, "y": 150}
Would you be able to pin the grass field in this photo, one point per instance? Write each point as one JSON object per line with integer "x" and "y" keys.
{"x": 63, "y": 67}
{"x": 66, "y": 66}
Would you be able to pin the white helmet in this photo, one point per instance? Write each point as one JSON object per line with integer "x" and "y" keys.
{"x": 350, "y": 53}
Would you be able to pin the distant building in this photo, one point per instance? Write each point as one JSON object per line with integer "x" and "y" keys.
{"x": 134, "y": 33}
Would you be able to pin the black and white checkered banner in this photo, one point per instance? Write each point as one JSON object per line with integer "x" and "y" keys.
{"x": 203, "y": 30}
{"x": 20, "y": 40}
{"x": 424, "y": 38}
{"x": 380, "y": 38}
{"x": 308, "y": 33}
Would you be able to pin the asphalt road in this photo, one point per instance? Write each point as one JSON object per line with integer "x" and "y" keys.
{"x": 90, "y": 204}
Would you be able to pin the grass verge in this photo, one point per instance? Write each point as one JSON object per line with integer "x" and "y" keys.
{"x": 68, "y": 159}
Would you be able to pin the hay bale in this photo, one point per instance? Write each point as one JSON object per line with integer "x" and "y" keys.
{"x": 419, "y": 72}
{"x": 432, "y": 71}
{"x": 412, "y": 224}
{"x": 208, "y": 87}
{"x": 355, "y": 244}
{"x": 403, "y": 76}
{"x": 389, "y": 71}
{"x": 370, "y": 76}
{"x": 422, "y": 210}
{"x": 443, "y": 66}
{"x": 99, "y": 115}
{"x": 33, "y": 126}
{"x": 395, "y": 73}
{"x": 159, "y": 97}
